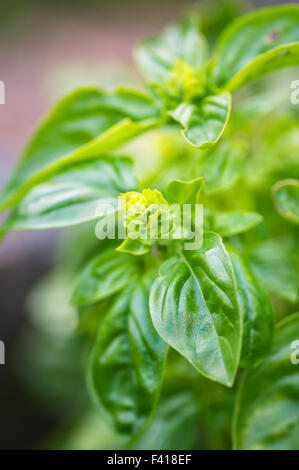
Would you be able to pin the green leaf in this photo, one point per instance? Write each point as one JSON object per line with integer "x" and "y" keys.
{"x": 78, "y": 193}
{"x": 267, "y": 406}
{"x": 157, "y": 56}
{"x": 177, "y": 411}
{"x": 85, "y": 124}
{"x": 183, "y": 192}
{"x": 133, "y": 246}
{"x": 232, "y": 223}
{"x": 273, "y": 264}
{"x": 256, "y": 44}
{"x": 222, "y": 167}
{"x": 106, "y": 274}
{"x": 194, "y": 307}
{"x": 127, "y": 362}
{"x": 286, "y": 199}
{"x": 257, "y": 314}
{"x": 91, "y": 316}
{"x": 204, "y": 123}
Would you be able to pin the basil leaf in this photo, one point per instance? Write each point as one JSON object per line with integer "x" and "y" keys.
{"x": 135, "y": 247}
{"x": 106, "y": 274}
{"x": 183, "y": 192}
{"x": 177, "y": 411}
{"x": 157, "y": 56}
{"x": 91, "y": 316}
{"x": 222, "y": 167}
{"x": 273, "y": 264}
{"x": 82, "y": 125}
{"x": 113, "y": 138}
{"x": 78, "y": 193}
{"x": 267, "y": 406}
{"x": 286, "y": 198}
{"x": 126, "y": 363}
{"x": 256, "y": 44}
{"x": 204, "y": 123}
{"x": 257, "y": 314}
{"x": 195, "y": 309}
{"x": 232, "y": 223}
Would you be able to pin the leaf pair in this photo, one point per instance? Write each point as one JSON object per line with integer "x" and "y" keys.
{"x": 205, "y": 304}
{"x": 77, "y": 193}
{"x": 89, "y": 122}
{"x": 84, "y": 125}
{"x": 250, "y": 47}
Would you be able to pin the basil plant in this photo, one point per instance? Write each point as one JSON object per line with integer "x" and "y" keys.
{"x": 192, "y": 343}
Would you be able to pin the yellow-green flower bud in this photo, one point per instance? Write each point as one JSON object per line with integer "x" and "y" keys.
{"x": 147, "y": 215}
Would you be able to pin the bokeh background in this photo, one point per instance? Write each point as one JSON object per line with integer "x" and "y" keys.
{"x": 47, "y": 48}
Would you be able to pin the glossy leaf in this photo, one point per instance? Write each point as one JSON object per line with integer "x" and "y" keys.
{"x": 257, "y": 314}
{"x": 81, "y": 126}
{"x": 126, "y": 363}
{"x": 267, "y": 406}
{"x": 286, "y": 199}
{"x": 204, "y": 123}
{"x": 183, "y": 192}
{"x": 232, "y": 223}
{"x": 106, "y": 274}
{"x": 78, "y": 193}
{"x": 256, "y": 44}
{"x": 157, "y": 56}
{"x": 195, "y": 309}
{"x": 222, "y": 167}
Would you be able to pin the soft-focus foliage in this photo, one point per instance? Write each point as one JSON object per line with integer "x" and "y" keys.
{"x": 173, "y": 340}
